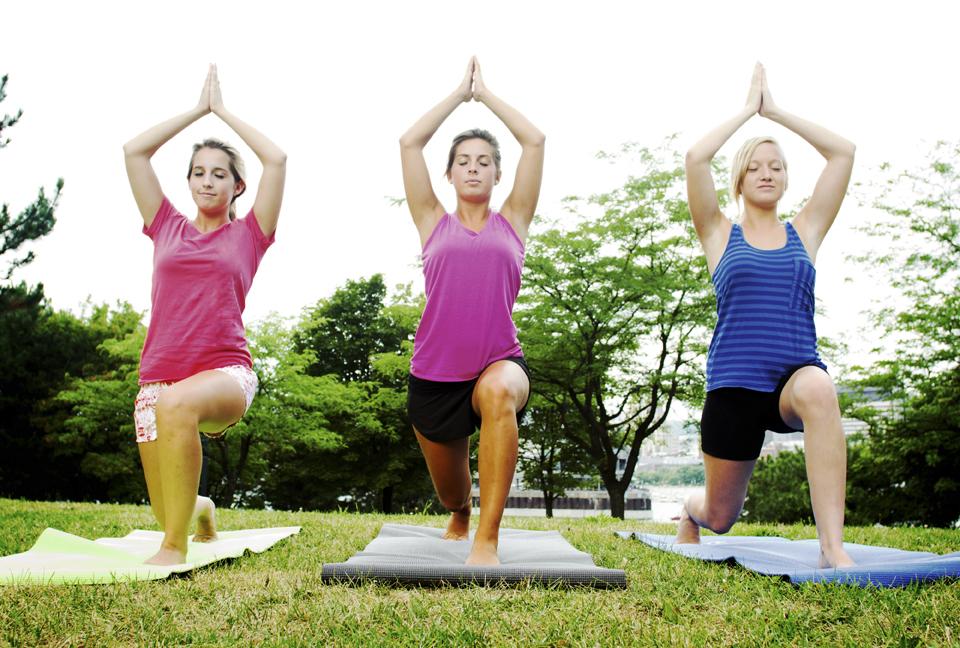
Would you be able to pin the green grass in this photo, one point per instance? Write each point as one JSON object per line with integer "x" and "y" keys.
{"x": 276, "y": 598}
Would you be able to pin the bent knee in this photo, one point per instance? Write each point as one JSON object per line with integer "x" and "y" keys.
{"x": 496, "y": 396}
{"x": 721, "y": 523}
{"x": 454, "y": 504}
{"x": 814, "y": 391}
{"x": 171, "y": 404}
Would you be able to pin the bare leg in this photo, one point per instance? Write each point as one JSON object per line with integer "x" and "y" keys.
{"x": 209, "y": 401}
{"x": 810, "y": 399}
{"x": 501, "y": 391}
{"x": 449, "y": 466}
{"x": 150, "y": 460}
{"x": 718, "y": 508}
{"x": 203, "y": 513}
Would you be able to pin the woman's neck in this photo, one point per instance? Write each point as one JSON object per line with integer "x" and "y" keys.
{"x": 756, "y": 217}
{"x": 207, "y": 222}
{"x": 471, "y": 212}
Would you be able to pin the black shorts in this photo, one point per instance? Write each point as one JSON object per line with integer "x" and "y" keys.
{"x": 443, "y": 411}
{"x": 735, "y": 420}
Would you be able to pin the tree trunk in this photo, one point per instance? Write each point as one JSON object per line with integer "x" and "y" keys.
{"x": 548, "y": 503}
{"x": 386, "y": 499}
{"x": 616, "y": 492}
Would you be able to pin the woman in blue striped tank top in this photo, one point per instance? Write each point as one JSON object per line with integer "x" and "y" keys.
{"x": 763, "y": 370}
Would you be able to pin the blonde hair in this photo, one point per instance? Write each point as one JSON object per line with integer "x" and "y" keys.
{"x": 236, "y": 166}
{"x": 738, "y": 170}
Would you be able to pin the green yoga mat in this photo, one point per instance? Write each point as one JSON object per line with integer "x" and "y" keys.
{"x": 58, "y": 558}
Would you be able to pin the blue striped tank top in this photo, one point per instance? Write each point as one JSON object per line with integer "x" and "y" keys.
{"x": 764, "y": 314}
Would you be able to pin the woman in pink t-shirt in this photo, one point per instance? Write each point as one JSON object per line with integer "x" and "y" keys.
{"x": 467, "y": 369}
{"x": 195, "y": 370}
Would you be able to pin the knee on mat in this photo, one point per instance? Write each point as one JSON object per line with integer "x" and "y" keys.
{"x": 454, "y": 504}
{"x": 721, "y": 523}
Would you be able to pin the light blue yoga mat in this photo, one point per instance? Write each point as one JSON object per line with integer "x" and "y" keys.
{"x": 796, "y": 560}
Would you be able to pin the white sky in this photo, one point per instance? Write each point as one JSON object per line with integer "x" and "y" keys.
{"x": 335, "y": 85}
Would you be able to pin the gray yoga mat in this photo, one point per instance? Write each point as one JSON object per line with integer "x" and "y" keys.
{"x": 412, "y": 555}
{"x": 796, "y": 560}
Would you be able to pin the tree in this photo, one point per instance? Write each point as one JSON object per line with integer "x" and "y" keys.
{"x": 360, "y": 348}
{"x": 615, "y": 314}
{"x": 89, "y": 426}
{"x": 34, "y": 222}
{"x": 290, "y": 418}
{"x": 778, "y": 490}
{"x": 916, "y": 444}
{"x": 33, "y": 369}
{"x": 347, "y": 329}
{"x": 548, "y": 460}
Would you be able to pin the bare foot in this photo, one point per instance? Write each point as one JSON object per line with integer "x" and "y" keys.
{"x": 167, "y": 556}
{"x": 483, "y": 553}
{"x": 458, "y": 528}
{"x": 836, "y": 559}
{"x": 206, "y": 520}
{"x": 687, "y": 530}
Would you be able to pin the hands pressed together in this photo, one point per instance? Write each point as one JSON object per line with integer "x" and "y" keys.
{"x": 759, "y": 99}
{"x": 210, "y": 98}
{"x": 472, "y": 87}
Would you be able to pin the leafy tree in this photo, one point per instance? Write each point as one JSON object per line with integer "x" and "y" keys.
{"x": 347, "y": 329}
{"x": 89, "y": 424}
{"x": 778, "y": 490}
{"x": 916, "y": 444}
{"x": 35, "y": 221}
{"x": 289, "y": 417}
{"x": 360, "y": 349}
{"x": 548, "y": 460}
{"x": 615, "y": 314}
{"x": 33, "y": 368}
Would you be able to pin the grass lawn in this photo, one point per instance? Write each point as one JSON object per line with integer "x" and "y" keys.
{"x": 276, "y": 598}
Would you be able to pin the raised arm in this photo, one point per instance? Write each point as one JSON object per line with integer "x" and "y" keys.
{"x": 138, "y": 151}
{"x": 711, "y": 225}
{"x": 522, "y": 201}
{"x": 421, "y": 200}
{"x": 266, "y": 205}
{"x": 814, "y": 220}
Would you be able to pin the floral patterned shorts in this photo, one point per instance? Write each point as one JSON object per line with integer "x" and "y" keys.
{"x": 145, "y": 408}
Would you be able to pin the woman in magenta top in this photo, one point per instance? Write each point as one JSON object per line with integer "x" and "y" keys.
{"x": 467, "y": 369}
{"x": 195, "y": 370}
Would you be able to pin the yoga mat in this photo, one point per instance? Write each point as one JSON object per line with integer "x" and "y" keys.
{"x": 411, "y": 555}
{"x": 796, "y": 560}
{"x": 57, "y": 557}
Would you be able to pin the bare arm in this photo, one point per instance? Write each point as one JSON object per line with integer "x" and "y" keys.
{"x": 421, "y": 200}
{"x": 711, "y": 225}
{"x": 817, "y": 216}
{"x": 266, "y": 205}
{"x": 521, "y": 204}
{"x": 138, "y": 151}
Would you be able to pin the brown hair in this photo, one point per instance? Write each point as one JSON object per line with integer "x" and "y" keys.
{"x": 236, "y": 166}
{"x": 474, "y": 133}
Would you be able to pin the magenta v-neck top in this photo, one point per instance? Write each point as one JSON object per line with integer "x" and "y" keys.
{"x": 200, "y": 286}
{"x": 472, "y": 282}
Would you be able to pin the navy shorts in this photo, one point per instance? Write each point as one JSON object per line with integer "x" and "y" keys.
{"x": 735, "y": 420}
{"x": 443, "y": 411}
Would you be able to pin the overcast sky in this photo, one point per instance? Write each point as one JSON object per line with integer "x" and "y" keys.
{"x": 336, "y": 84}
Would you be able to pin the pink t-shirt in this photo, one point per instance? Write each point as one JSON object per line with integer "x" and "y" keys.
{"x": 200, "y": 284}
{"x": 472, "y": 281}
